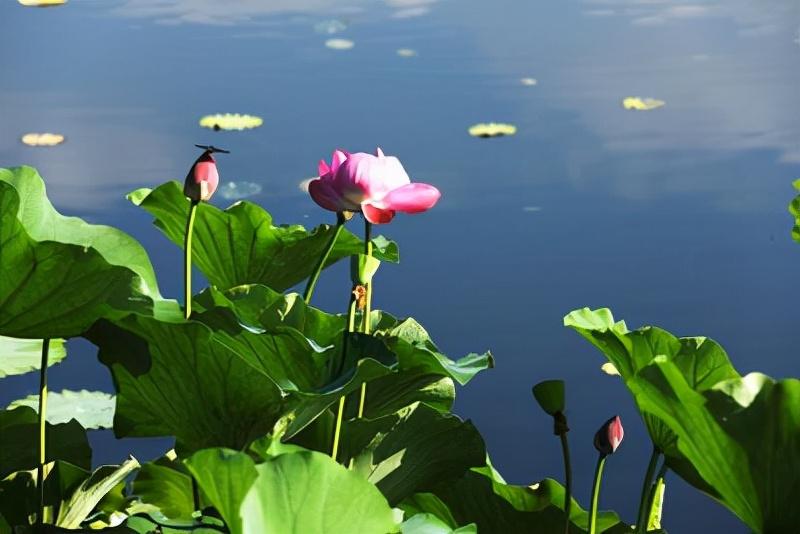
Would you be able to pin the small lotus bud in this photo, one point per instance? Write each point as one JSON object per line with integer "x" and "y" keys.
{"x": 550, "y": 396}
{"x": 609, "y": 436}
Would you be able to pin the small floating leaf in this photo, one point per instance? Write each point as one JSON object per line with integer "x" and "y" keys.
{"x": 406, "y": 52}
{"x": 641, "y": 104}
{"x": 42, "y": 139}
{"x": 330, "y": 26}
{"x": 238, "y": 190}
{"x": 92, "y": 409}
{"x": 528, "y": 81}
{"x": 42, "y": 3}
{"x": 492, "y": 129}
{"x": 231, "y": 121}
{"x": 340, "y": 44}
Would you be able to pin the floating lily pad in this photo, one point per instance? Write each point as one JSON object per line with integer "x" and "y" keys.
{"x": 492, "y": 129}
{"x": 92, "y": 409}
{"x": 42, "y": 3}
{"x": 330, "y": 26}
{"x": 43, "y": 139}
{"x": 238, "y": 190}
{"x": 231, "y": 121}
{"x": 642, "y": 104}
{"x": 340, "y": 44}
{"x": 406, "y": 52}
{"x": 528, "y": 81}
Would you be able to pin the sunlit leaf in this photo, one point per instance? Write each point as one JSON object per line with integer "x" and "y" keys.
{"x": 641, "y": 104}
{"x": 430, "y": 524}
{"x": 794, "y": 209}
{"x": 43, "y": 139}
{"x": 240, "y": 245}
{"x": 231, "y": 121}
{"x": 492, "y": 129}
{"x": 166, "y": 484}
{"x": 59, "y": 273}
{"x": 20, "y": 356}
{"x": 92, "y": 409}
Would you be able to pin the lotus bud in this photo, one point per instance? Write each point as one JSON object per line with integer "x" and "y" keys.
{"x": 550, "y": 396}
{"x": 609, "y": 436}
{"x": 203, "y": 178}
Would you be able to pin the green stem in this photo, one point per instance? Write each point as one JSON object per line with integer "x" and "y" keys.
{"x": 312, "y": 282}
{"x": 567, "y": 479}
{"x": 187, "y": 260}
{"x": 641, "y": 517}
{"x": 367, "y": 310}
{"x": 42, "y": 428}
{"x": 598, "y": 476}
{"x": 351, "y": 323}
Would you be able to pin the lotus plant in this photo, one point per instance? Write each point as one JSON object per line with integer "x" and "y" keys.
{"x": 200, "y": 184}
{"x": 606, "y": 441}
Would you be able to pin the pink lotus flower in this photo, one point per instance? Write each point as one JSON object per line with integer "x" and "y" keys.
{"x": 203, "y": 178}
{"x": 377, "y": 186}
{"x": 609, "y": 436}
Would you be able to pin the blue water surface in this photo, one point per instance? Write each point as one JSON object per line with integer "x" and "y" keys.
{"x": 674, "y": 217}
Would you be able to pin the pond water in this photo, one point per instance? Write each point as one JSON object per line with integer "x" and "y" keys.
{"x": 674, "y": 217}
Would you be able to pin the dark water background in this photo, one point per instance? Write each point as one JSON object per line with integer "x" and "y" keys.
{"x": 674, "y": 217}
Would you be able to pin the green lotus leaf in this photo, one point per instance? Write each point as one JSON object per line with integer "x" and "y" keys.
{"x": 59, "y": 273}
{"x": 240, "y": 245}
{"x": 92, "y": 409}
{"x": 180, "y": 379}
{"x": 166, "y": 484}
{"x": 416, "y": 452}
{"x": 20, "y": 356}
{"x": 19, "y": 429}
{"x": 736, "y": 438}
{"x": 294, "y": 492}
{"x": 480, "y": 497}
{"x": 430, "y": 524}
{"x": 794, "y": 209}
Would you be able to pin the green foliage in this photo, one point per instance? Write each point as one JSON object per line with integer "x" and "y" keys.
{"x": 740, "y": 436}
{"x": 293, "y": 492}
{"x": 240, "y": 245}
{"x": 90, "y": 271}
{"x": 84, "y": 499}
{"x": 20, "y": 356}
{"x": 92, "y": 409}
{"x": 794, "y": 209}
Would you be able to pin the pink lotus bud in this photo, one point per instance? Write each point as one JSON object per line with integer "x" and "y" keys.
{"x": 376, "y": 185}
{"x": 203, "y": 178}
{"x": 609, "y": 436}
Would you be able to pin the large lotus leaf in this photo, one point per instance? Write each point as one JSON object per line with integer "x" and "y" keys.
{"x": 702, "y": 362}
{"x": 794, "y": 209}
{"x": 430, "y": 524}
{"x": 20, "y": 356}
{"x": 60, "y": 274}
{"x": 293, "y": 492}
{"x": 495, "y": 506}
{"x": 742, "y": 436}
{"x": 178, "y": 379}
{"x": 240, "y": 245}
{"x": 167, "y": 485}
{"x": 417, "y": 452}
{"x": 92, "y": 409}
{"x": 19, "y": 429}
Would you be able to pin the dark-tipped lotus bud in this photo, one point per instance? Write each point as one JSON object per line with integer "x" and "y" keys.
{"x": 609, "y": 436}
{"x": 550, "y": 396}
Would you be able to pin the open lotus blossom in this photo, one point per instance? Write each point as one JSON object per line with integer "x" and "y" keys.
{"x": 609, "y": 436}
{"x": 376, "y": 185}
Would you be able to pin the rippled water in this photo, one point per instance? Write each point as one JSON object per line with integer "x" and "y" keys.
{"x": 674, "y": 216}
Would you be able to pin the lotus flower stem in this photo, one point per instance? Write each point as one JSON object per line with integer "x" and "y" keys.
{"x": 598, "y": 476}
{"x": 654, "y": 507}
{"x": 187, "y": 259}
{"x": 641, "y": 517}
{"x": 312, "y": 282}
{"x": 351, "y": 324}
{"x": 567, "y": 480}
{"x": 367, "y": 310}
{"x": 42, "y": 428}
